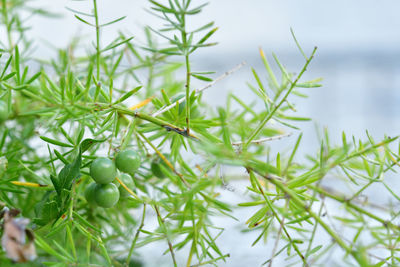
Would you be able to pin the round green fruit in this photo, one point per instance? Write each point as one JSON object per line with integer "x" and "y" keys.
{"x": 155, "y": 166}
{"x": 127, "y": 180}
{"x": 103, "y": 170}
{"x": 156, "y": 170}
{"x": 3, "y": 111}
{"x": 127, "y": 161}
{"x": 106, "y": 195}
{"x": 90, "y": 194}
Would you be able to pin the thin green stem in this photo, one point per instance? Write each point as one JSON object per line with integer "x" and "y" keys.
{"x": 196, "y": 231}
{"x": 97, "y": 40}
{"x": 168, "y": 126}
{"x": 346, "y": 201}
{"x": 7, "y": 25}
{"x": 281, "y": 222}
{"x": 150, "y": 80}
{"x": 277, "y": 239}
{"x": 71, "y": 241}
{"x": 164, "y": 228}
{"x": 313, "y": 232}
{"x": 192, "y": 247}
{"x": 169, "y": 164}
{"x": 269, "y": 115}
{"x": 211, "y": 261}
{"x": 187, "y": 94}
{"x": 128, "y": 259}
{"x": 361, "y": 190}
{"x": 187, "y": 64}
{"x": 316, "y": 217}
{"x": 371, "y": 148}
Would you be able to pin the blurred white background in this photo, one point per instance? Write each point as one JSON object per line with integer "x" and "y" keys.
{"x": 358, "y": 57}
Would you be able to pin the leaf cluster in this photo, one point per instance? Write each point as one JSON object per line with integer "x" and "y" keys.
{"x": 76, "y": 107}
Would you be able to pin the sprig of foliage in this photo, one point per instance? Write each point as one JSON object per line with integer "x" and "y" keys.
{"x": 175, "y": 15}
{"x": 73, "y": 109}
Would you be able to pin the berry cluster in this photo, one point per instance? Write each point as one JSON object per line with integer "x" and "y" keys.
{"x": 106, "y": 191}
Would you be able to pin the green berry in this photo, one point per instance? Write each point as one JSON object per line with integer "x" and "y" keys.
{"x": 103, "y": 170}
{"x": 106, "y": 195}
{"x": 127, "y": 161}
{"x": 90, "y": 194}
{"x": 127, "y": 180}
{"x": 3, "y": 111}
{"x": 156, "y": 170}
{"x": 156, "y": 166}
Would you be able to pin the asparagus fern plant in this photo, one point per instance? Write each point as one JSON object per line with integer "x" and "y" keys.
{"x": 59, "y": 115}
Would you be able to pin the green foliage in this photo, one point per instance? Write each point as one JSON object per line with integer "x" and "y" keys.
{"x": 63, "y": 115}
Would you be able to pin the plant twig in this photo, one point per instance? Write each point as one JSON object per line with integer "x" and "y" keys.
{"x": 346, "y": 201}
{"x": 187, "y": 85}
{"x": 314, "y": 230}
{"x": 166, "y": 125}
{"x": 270, "y": 114}
{"x": 306, "y": 208}
{"x": 169, "y": 164}
{"x": 198, "y": 91}
{"x": 128, "y": 259}
{"x": 262, "y": 140}
{"x": 127, "y": 188}
{"x": 278, "y": 237}
{"x": 211, "y": 261}
{"x": 162, "y": 225}
{"x": 97, "y": 40}
{"x": 249, "y": 170}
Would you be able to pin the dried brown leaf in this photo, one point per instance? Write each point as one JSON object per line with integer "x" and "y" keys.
{"x": 17, "y": 240}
